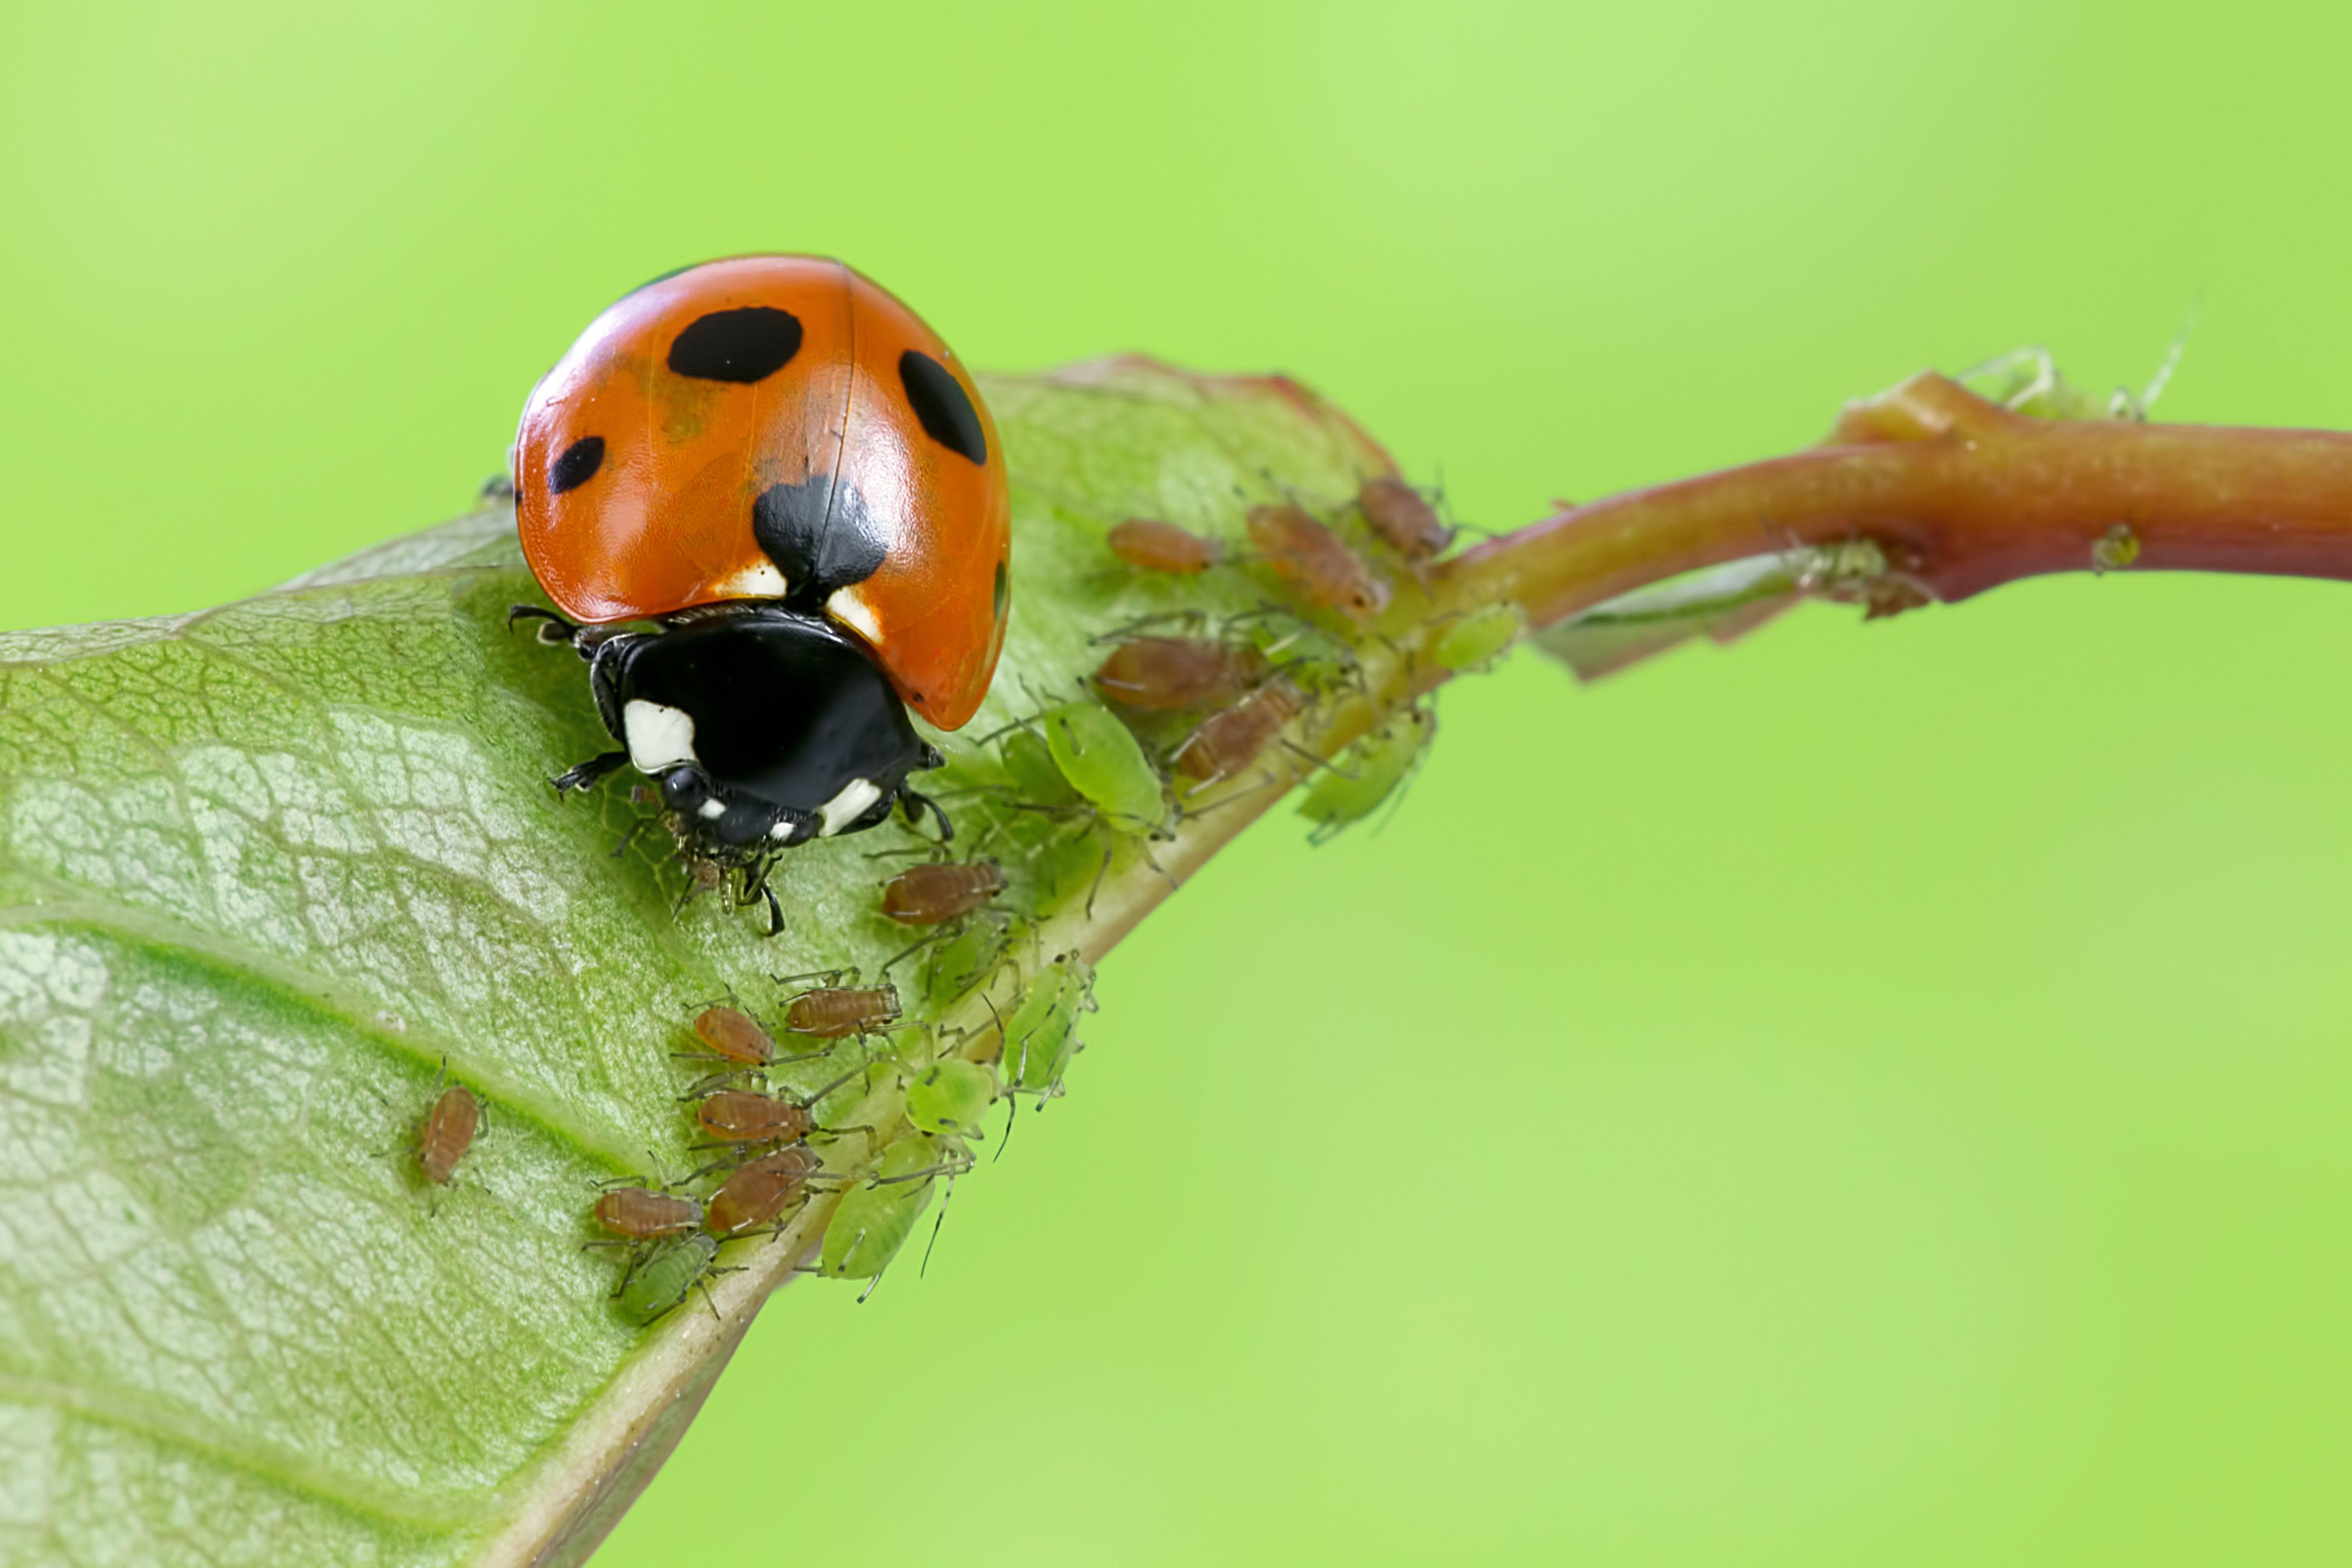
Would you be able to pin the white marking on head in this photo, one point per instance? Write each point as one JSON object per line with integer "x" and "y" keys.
{"x": 847, "y": 807}
{"x": 659, "y": 738}
{"x": 763, "y": 581}
{"x": 848, "y": 606}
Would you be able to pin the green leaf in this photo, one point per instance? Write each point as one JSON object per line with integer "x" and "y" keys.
{"x": 268, "y": 871}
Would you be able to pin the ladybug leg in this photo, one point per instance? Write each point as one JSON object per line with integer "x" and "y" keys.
{"x": 553, "y": 629}
{"x": 590, "y": 773}
{"x": 914, "y": 802}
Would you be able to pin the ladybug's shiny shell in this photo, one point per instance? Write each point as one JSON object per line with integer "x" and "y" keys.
{"x": 776, "y": 428}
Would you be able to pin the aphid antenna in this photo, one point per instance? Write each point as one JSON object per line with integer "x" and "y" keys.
{"x": 1194, "y": 617}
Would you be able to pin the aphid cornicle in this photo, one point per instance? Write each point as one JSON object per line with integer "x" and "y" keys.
{"x": 1149, "y": 545}
{"x": 940, "y": 890}
{"x": 782, "y": 466}
{"x": 1159, "y": 674}
{"x": 1315, "y": 561}
{"x": 1230, "y": 741}
{"x": 446, "y": 1133}
{"x": 759, "y": 1191}
{"x": 640, "y": 1214}
{"x": 1406, "y": 522}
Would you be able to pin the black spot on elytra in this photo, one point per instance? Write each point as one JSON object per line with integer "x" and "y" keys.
{"x": 741, "y": 346}
{"x": 939, "y": 400}
{"x": 819, "y": 535}
{"x": 575, "y": 464}
{"x": 1003, "y": 589}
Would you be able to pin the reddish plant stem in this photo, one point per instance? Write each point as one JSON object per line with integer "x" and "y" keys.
{"x": 1961, "y": 496}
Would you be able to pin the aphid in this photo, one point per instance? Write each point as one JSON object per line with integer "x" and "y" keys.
{"x": 1041, "y": 1035}
{"x": 732, "y": 1034}
{"x": 832, "y": 1012}
{"x": 940, "y": 890}
{"x": 1149, "y": 545}
{"x": 1029, "y": 763}
{"x": 1228, "y": 742}
{"x": 1478, "y": 637}
{"x": 874, "y": 1220}
{"x": 1399, "y": 515}
{"x": 640, "y": 1214}
{"x": 1312, "y": 559}
{"x": 949, "y": 1096}
{"x": 662, "y": 1279}
{"x": 2115, "y": 549}
{"x": 1104, "y": 761}
{"x": 446, "y": 1133}
{"x": 1367, "y": 774}
{"x": 757, "y": 1192}
{"x": 739, "y": 1116}
{"x": 1158, "y": 674}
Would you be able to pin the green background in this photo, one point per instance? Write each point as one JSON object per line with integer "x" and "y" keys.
{"x": 1876, "y": 1095}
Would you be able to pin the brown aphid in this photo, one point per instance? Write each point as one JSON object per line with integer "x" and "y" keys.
{"x": 447, "y": 1132}
{"x": 1314, "y": 560}
{"x": 831, "y": 1012}
{"x": 739, "y": 1116}
{"x": 640, "y": 1214}
{"x": 757, "y": 1192}
{"x": 1400, "y": 515}
{"x": 1228, "y": 742}
{"x": 730, "y": 1033}
{"x": 940, "y": 890}
{"x": 1158, "y": 674}
{"x": 1149, "y": 545}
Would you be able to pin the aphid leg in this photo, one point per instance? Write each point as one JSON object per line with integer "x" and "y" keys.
{"x": 945, "y": 1198}
{"x": 1290, "y": 746}
{"x": 1012, "y": 1115}
{"x": 629, "y": 837}
{"x": 1101, "y": 871}
{"x": 873, "y": 1136}
{"x": 587, "y": 775}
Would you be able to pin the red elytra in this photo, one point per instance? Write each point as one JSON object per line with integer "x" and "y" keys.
{"x": 776, "y": 428}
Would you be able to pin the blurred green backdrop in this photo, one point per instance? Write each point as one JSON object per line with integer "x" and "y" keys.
{"x": 1878, "y": 1095}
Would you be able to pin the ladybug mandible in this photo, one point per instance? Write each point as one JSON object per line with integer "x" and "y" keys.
{"x": 790, "y": 474}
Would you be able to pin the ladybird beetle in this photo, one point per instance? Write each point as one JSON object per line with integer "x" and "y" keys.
{"x": 784, "y": 469}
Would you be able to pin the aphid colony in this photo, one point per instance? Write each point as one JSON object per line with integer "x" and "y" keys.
{"x": 1179, "y": 712}
{"x": 769, "y": 511}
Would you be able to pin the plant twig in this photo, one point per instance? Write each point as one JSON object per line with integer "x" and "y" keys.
{"x": 1961, "y": 496}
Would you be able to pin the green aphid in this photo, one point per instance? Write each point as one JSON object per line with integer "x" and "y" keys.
{"x": 1029, "y": 763}
{"x": 661, "y": 1281}
{"x": 1042, "y": 1034}
{"x": 955, "y": 967}
{"x": 1105, "y": 763}
{"x": 1479, "y": 636}
{"x": 951, "y": 1096}
{"x": 1367, "y": 773}
{"x": 875, "y": 1217}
